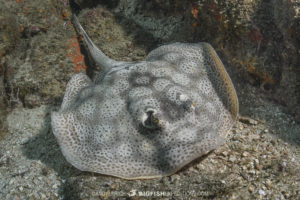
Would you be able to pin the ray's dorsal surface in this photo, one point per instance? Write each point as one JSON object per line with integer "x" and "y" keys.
{"x": 146, "y": 119}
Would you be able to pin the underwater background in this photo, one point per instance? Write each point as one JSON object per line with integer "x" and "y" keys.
{"x": 258, "y": 42}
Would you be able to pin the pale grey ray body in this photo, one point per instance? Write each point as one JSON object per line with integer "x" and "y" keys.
{"x": 146, "y": 119}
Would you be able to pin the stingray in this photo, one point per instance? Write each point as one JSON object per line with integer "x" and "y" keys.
{"x": 146, "y": 119}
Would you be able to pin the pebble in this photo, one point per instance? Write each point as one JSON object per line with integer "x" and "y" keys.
{"x": 257, "y": 165}
{"x": 232, "y": 158}
{"x": 175, "y": 177}
{"x": 11, "y": 181}
{"x": 247, "y": 120}
{"x": 261, "y": 192}
{"x": 24, "y": 141}
{"x": 255, "y": 137}
{"x": 254, "y": 149}
{"x": 268, "y": 184}
{"x": 284, "y": 164}
{"x": 251, "y": 188}
{"x": 55, "y": 186}
{"x": 224, "y": 153}
{"x": 245, "y": 154}
{"x": 43, "y": 196}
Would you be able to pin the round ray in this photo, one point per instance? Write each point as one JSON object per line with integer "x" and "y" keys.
{"x": 148, "y": 123}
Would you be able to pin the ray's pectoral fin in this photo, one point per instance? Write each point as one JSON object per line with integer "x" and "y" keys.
{"x": 98, "y": 56}
{"x": 67, "y": 137}
{"x": 75, "y": 85}
{"x": 230, "y": 99}
{"x": 63, "y": 130}
{"x": 59, "y": 126}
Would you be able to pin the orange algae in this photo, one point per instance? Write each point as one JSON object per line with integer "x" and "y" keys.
{"x": 73, "y": 52}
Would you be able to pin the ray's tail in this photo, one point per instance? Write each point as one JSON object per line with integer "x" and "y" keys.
{"x": 99, "y": 57}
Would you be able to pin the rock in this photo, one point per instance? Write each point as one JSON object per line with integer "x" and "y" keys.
{"x": 9, "y": 30}
{"x": 9, "y": 38}
{"x": 38, "y": 67}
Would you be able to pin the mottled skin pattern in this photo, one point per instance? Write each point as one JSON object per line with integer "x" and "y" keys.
{"x": 146, "y": 119}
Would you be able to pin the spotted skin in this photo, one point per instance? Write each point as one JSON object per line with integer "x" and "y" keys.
{"x": 147, "y": 119}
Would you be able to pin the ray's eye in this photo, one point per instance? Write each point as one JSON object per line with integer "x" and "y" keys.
{"x": 151, "y": 121}
{"x": 188, "y": 105}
